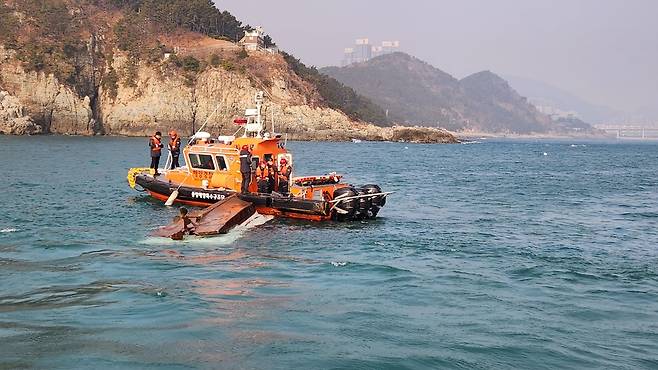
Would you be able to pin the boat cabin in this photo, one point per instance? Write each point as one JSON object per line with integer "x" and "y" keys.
{"x": 215, "y": 164}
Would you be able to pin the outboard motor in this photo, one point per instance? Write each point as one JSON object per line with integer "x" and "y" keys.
{"x": 364, "y": 205}
{"x": 377, "y": 201}
{"x": 346, "y": 210}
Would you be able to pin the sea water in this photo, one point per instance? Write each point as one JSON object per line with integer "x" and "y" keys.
{"x": 499, "y": 254}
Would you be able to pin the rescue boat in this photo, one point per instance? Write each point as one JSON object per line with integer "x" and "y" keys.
{"x": 211, "y": 173}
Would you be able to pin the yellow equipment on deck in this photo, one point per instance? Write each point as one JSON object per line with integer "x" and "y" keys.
{"x": 133, "y": 172}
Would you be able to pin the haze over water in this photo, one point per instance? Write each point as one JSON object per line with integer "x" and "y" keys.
{"x": 504, "y": 254}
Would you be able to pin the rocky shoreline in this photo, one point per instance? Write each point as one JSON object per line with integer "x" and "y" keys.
{"x": 13, "y": 120}
{"x": 24, "y": 126}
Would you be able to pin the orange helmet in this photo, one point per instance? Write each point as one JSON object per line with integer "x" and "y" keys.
{"x": 173, "y": 133}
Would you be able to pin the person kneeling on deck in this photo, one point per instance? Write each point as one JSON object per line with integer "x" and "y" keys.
{"x": 174, "y": 148}
{"x": 155, "y": 143}
{"x": 263, "y": 177}
{"x": 245, "y": 168}
{"x": 284, "y": 176}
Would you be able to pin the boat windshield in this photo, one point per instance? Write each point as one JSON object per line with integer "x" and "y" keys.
{"x": 202, "y": 161}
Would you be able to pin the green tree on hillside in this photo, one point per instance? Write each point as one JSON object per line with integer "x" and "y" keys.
{"x": 195, "y": 15}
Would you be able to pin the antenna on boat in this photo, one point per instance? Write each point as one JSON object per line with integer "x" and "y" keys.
{"x": 254, "y": 126}
{"x": 204, "y": 124}
{"x": 174, "y": 194}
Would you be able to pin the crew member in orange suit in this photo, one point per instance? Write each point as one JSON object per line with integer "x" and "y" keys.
{"x": 285, "y": 170}
{"x": 174, "y": 148}
{"x": 155, "y": 143}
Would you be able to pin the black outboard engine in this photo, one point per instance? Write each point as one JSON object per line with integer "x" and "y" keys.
{"x": 364, "y": 205}
{"x": 376, "y": 202}
{"x": 346, "y": 210}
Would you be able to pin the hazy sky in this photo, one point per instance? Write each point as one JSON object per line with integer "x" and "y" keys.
{"x": 605, "y": 51}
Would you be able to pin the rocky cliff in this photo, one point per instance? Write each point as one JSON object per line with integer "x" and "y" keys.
{"x": 13, "y": 120}
{"x": 103, "y": 80}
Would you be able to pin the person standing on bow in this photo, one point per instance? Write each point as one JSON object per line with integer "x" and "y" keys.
{"x": 155, "y": 143}
{"x": 285, "y": 170}
{"x": 245, "y": 168}
{"x": 174, "y": 148}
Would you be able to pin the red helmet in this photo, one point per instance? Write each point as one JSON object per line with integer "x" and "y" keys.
{"x": 283, "y": 160}
{"x": 245, "y": 147}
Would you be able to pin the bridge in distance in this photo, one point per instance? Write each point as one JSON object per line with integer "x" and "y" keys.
{"x": 631, "y": 131}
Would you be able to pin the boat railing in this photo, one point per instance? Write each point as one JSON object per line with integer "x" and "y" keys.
{"x": 213, "y": 149}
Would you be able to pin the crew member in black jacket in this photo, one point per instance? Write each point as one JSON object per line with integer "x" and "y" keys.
{"x": 245, "y": 168}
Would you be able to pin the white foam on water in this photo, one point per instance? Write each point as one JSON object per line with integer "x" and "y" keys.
{"x": 256, "y": 220}
{"x": 8, "y": 230}
{"x": 223, "y": 239}
{"x": 338, "y": 264}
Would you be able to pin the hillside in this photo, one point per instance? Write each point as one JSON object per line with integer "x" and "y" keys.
{"x": 129, "y": 67}
{"x": 415, "y": 92}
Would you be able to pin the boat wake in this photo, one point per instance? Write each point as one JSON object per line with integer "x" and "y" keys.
{"x": 256, "y": 220}
{"x": 8, "y": 230}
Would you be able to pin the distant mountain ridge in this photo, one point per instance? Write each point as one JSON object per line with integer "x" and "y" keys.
{"x": 541, "y": 93}
{"x": 416, "y": 93}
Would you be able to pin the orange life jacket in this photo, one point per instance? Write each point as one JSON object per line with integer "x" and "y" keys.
{"x": 262, "y": 172}
{"x": 157, "y": 144}
{"x": 174, "y": 145}
{"x": 284, "y": 172}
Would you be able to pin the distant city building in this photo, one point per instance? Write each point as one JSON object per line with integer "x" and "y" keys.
{"x": 348, "y": 56}
{"x": 362, "y": 51}
{"x": 390, "y": 46}
{"x": 553, "y": 112}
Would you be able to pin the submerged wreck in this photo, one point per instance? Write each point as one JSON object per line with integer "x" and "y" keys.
{"x": 211, "y": 177}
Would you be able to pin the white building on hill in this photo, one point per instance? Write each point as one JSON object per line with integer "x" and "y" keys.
{"x": 255, "y": 41}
